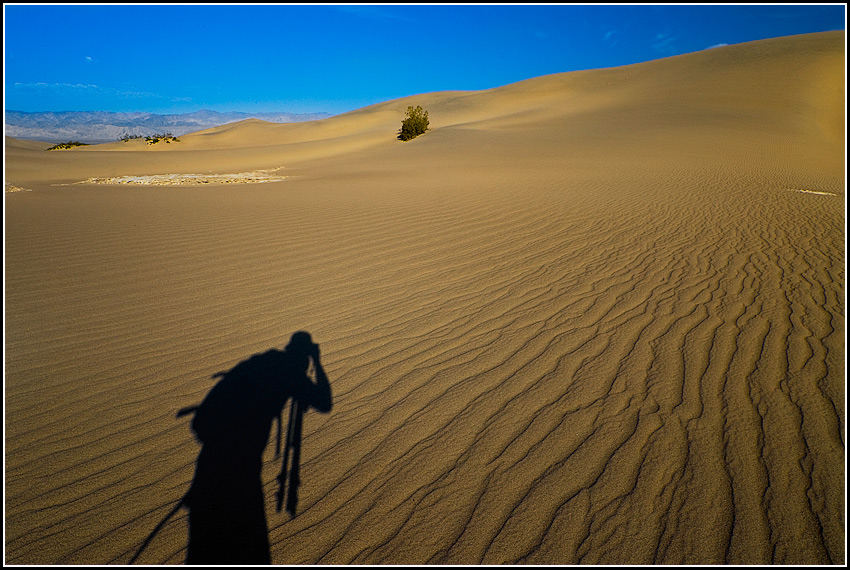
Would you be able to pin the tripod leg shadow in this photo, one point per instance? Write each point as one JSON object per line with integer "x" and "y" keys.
{"x": 289, "y": 478}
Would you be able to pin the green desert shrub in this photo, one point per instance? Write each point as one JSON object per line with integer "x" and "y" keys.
{"x": 167, "y": 137}
{"x": 67, "y": 145}
{"x": 414, "y": 124}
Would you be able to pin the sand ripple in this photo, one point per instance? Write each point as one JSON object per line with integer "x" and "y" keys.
{"x": 569, "y": 375}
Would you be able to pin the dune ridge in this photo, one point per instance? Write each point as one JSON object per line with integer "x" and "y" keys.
{"x": 581, "y": 320}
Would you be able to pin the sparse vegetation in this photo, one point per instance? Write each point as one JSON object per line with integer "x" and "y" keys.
{"x": 167, "y": 137}
{"x": 67, "y": 145}
{"x": 415, "y": 123}
{"x": 126, "y": 138}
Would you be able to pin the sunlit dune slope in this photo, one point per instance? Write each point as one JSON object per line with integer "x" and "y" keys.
{"x": 760, "y": 93}
{"x": 594, "y": 317}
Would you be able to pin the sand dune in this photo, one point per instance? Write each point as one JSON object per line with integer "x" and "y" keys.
{"x": 593, "y": 317}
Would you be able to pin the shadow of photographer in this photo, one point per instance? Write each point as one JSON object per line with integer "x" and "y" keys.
{"x": 226, "y": 503}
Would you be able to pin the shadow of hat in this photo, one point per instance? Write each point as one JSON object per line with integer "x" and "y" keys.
{"x": 300, "y": 341}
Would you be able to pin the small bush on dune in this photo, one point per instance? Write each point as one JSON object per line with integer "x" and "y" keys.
{"x": 67, "y": 145}
{"x": 167, "y": 137}
{"x": 415, "y": 123}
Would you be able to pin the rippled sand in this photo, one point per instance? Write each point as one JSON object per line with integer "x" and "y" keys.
{"x": 583, "y": 319}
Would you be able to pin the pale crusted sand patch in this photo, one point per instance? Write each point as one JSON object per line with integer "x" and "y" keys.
{"x": 812, "y": 192}
{"x": 252, "y": 177}
{"x": 13, "y": 188}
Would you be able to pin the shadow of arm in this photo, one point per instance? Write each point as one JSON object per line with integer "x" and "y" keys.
{"x": 321, "y": 398}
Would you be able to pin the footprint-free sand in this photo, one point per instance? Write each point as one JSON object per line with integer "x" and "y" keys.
{"x": 591, "y": 317}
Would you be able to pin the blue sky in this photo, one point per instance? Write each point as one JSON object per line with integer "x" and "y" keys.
{"x": 336, "y": 58}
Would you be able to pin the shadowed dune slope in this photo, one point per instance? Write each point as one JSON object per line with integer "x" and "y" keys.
{"x": 592, "y": 317}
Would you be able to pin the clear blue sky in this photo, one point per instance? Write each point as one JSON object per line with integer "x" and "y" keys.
{"x": 263, "y": 58}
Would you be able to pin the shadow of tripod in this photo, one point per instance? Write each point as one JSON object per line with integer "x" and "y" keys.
{"x": 293, "y": 448}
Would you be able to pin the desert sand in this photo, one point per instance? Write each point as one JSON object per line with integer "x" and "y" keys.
{"x": 591, "y": 317}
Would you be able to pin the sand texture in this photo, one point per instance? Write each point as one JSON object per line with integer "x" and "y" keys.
{"x": 592, "y": 317}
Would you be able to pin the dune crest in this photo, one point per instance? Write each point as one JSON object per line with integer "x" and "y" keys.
{"x": 594, "y": 317}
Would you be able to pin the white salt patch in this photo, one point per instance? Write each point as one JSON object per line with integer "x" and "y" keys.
{"x": 12, "y": 188}
{"x": 811, "y": 192}
{"x": 252, "y": 177}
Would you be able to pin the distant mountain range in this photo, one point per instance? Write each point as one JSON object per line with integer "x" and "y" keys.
{"x": 104, "y": 126}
